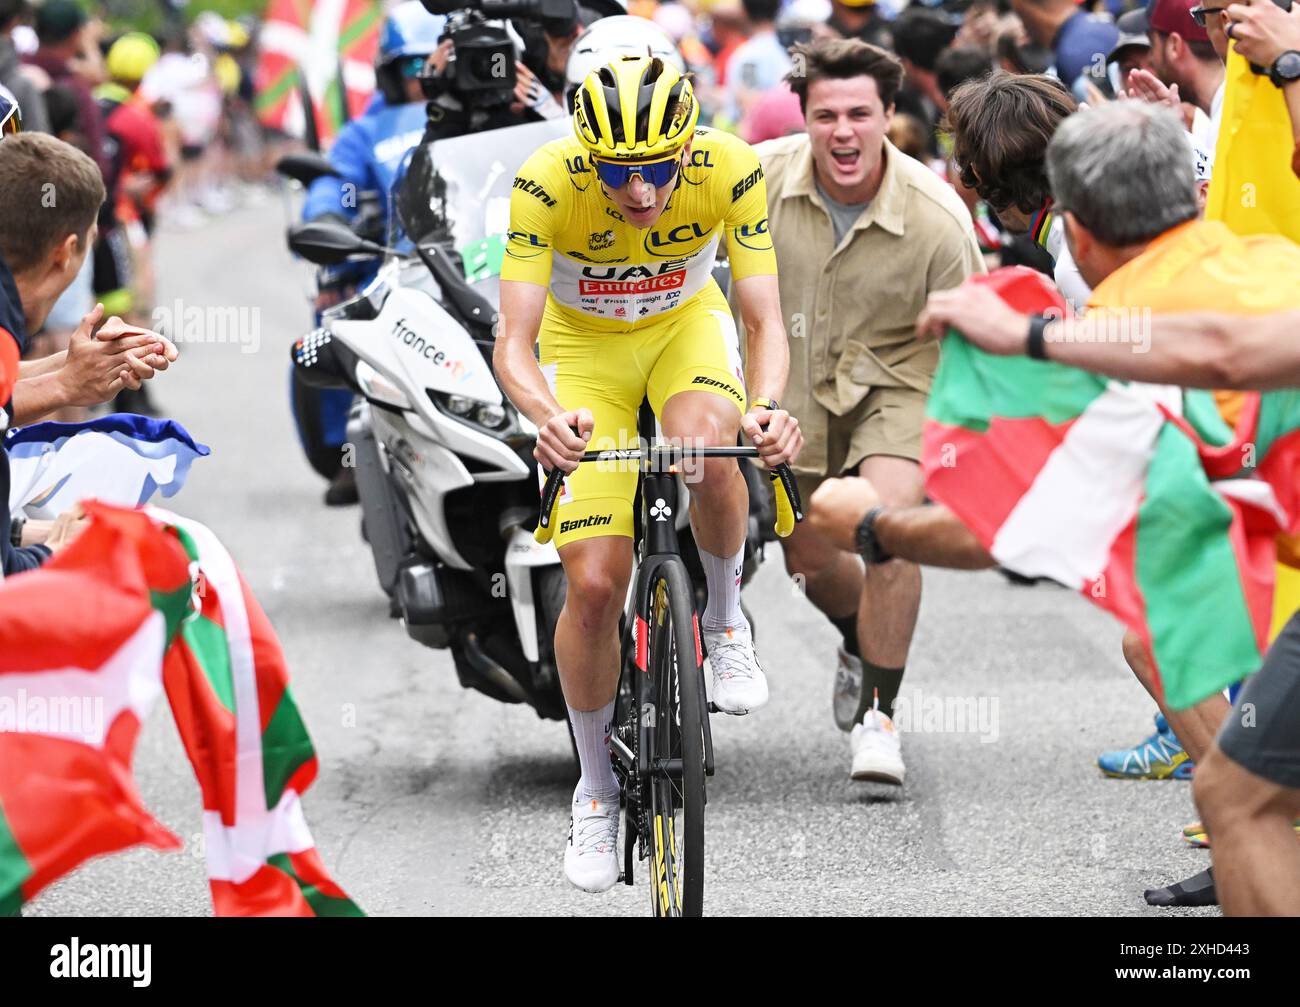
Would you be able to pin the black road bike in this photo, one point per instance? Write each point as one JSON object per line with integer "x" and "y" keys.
{"x": 661, "y": 746}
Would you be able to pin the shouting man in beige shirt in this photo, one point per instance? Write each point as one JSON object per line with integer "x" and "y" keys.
{"x": 863, "y": 235}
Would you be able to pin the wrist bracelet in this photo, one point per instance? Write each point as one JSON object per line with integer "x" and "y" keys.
{"x": 1035, "y": 345}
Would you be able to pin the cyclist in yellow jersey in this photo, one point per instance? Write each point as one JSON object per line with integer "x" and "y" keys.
{"x": 613, "y": 235}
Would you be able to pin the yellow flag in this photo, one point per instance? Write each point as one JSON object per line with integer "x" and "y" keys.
{"x": 1253, "y": 189}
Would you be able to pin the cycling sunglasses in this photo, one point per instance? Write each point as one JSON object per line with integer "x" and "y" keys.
{"x": 656, "y": 173}
{"x": 1201, "y": 14}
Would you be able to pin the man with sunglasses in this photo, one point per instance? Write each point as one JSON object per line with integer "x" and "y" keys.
{"x": 609, "y": 259}
{"x": 1001, "y": 126}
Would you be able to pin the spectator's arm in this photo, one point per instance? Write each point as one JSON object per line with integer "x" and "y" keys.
{"x": 931, "y": 535}
{"x": 35, "y": 368}
{"x": 92, "y": 370}
{"x": 20, "y": 560}
{"x": 1201, "y": 350}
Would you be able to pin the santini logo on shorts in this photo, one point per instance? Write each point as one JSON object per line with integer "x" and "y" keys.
{"x": 715, "y": 383}
{"x": 633, "y": 281}
{"x": 591, "y": 521}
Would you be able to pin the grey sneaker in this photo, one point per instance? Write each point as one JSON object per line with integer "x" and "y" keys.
{"x": 847, "y": 698}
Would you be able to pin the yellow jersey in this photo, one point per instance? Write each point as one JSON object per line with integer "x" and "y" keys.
{"x": 608, "y": 275}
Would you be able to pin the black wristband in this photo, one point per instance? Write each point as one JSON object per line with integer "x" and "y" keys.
{"x": 1035, "y": 345}
{"x": 16, "y": 532}
{"x": 869, "y": 547}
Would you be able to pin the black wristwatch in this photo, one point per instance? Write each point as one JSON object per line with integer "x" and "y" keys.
{"x": 1035, "y": 345}
{"x": 16, "y": 532}
{"x": 869, "y": 547}
{"x": 1285, "y": 69}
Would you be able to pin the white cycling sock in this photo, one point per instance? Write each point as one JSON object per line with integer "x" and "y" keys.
{"x": 591, "y": 729}
{"x": 723, "y": 576}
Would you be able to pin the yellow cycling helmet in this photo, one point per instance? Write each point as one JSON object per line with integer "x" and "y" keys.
{"x": 131, "y": 56}
{"x": 635, "y": 108}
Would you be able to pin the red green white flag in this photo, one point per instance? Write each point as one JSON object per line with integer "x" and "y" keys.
{"x": 1138, "y": 496}
{"x": 329, "y": 46}
{"x": 83, "y": 644}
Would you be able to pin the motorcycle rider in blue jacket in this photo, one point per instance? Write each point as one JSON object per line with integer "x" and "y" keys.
{"x": 367, "y": 154}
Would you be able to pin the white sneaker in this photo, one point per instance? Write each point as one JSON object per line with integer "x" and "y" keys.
{"x": 739, "y": 684}
{"x": 591, "y": 857}
{"x": 847, "y": 697}
{"x": 877, "y": 750}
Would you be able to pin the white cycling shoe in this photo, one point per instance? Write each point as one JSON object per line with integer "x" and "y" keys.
{"x": 877, "y": 750}
{"x": 591, "y": 856}
{"x": 739, "y": 685}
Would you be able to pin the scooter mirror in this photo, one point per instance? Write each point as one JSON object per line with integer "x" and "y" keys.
{"x": 328, "y": 242}
{"x": 305, "y": 167}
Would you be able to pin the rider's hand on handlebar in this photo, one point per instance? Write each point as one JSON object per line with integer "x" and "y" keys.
{"x": 781, "y": 442}
{"x": 558, "y": 446}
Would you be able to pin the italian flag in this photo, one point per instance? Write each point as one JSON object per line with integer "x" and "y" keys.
{"x": 142, "y": 601}
{"x": 329, "y": 47}
{"x": 1136, "y": 495}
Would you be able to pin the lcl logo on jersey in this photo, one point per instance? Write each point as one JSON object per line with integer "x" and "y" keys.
{"x": 578, "y": 167}
{"x": 755, "y": 236}
{"x": 523, "y": 245}
{"x": 670, "y": 242}
{"x": 699, "y": 159}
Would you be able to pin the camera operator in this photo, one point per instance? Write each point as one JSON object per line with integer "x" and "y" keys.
{"x": 491, "y": 72}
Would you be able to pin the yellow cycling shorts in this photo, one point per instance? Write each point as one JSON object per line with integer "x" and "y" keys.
{"x": 694, "y": 348}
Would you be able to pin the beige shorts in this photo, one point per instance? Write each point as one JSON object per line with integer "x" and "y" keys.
{"x": 887, "y": 422}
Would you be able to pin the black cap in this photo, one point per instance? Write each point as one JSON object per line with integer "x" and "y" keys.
{"x": 57, "y": 20}
{"x": 1132, "y": 31}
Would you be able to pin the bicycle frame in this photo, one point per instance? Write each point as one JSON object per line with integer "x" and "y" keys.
{"x": 636, "y": 763}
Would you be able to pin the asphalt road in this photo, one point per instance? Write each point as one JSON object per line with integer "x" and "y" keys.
{"x": 434, "y": 800}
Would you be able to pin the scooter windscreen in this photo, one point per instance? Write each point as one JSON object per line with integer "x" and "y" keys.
{"x": 456, "y": 193}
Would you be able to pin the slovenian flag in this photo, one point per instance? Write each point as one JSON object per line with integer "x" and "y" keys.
{"x": 120, "y": 459}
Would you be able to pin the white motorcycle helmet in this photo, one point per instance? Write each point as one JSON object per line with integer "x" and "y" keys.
{"x": 611, "y": 37}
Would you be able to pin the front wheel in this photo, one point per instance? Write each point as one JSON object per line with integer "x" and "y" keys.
{"x": 673, "y": 716}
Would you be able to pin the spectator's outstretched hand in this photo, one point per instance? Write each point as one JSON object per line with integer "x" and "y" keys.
{"x": 1143, "y": 85}
{"x": 978, "y": 314}
{"x": 1261, "y": 32}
